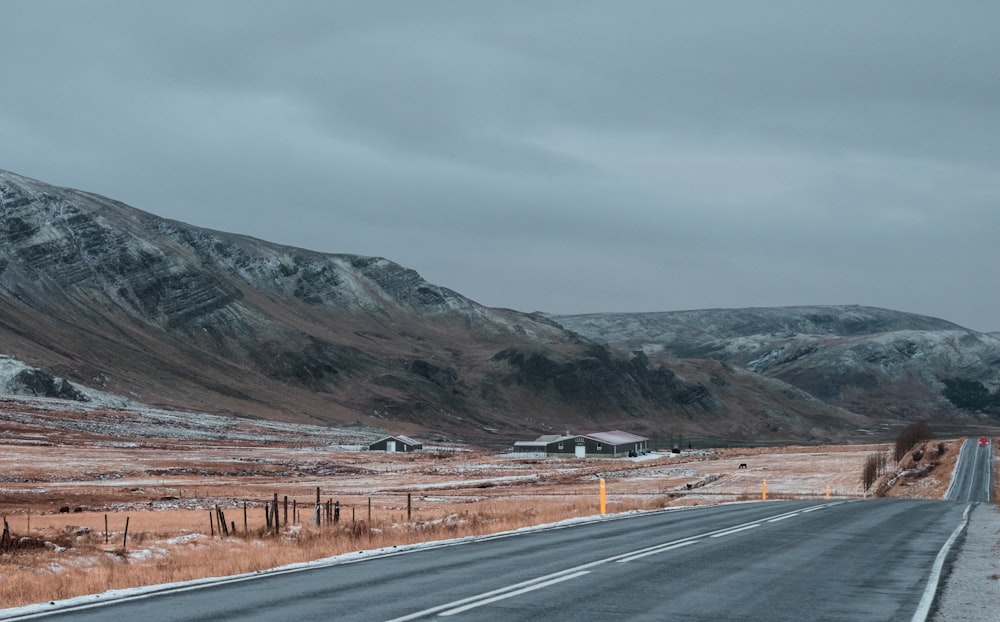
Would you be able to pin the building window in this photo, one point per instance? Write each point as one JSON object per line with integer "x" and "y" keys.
{"x": 599, "y": 447}
{"x": 560, "y": 445}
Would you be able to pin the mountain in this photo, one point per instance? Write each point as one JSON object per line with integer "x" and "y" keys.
{"x": 98, "y": 295}
{"x": 882, "y": 363}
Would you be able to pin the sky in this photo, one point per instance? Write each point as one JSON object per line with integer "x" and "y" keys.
{"x": 557, "y": 156}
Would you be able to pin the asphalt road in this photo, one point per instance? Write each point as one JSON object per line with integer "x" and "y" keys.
{"x": 774, "y": 560}
{"x": 972, "y": 480}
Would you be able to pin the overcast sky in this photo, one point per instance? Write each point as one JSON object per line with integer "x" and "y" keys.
{"x": 568, "y": 157}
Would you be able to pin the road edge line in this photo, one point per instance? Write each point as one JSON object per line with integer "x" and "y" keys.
{"x": 930, "y": 592}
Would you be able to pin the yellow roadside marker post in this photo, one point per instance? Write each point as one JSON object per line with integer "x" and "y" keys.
{"x": 763, "y": 491}
{"x": 603, "y": 498}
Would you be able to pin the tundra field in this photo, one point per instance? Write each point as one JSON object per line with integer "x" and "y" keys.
{"x": 71, "y": 483}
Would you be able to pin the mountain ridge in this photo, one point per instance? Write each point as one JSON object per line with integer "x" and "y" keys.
{"x": 106, "y": 296}
{"x": 865, "y": 359}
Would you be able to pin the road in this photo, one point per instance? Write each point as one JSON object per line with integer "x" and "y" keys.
{"x": 973, "y": 477}
{"x": 780, "y": 560}
{"x": 775, "y": 560}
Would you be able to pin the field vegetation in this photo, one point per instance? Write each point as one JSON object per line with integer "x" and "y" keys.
{"x": 67, "y": 499}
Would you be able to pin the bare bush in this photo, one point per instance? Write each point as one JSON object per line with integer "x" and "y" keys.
{"x": 875, "y": 465}
{"x": 909, "y": 438}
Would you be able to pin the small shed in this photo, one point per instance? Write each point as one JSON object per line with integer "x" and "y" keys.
{"x": 392, "y": 444}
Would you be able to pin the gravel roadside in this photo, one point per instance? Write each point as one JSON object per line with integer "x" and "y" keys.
{"x": 971, "y": 588}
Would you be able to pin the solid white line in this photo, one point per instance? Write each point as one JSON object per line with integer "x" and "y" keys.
{"x": 924, "y": 608}
{"x": 774, "y": 520}
{"x": 503, "y": 590}
{"x": 732, "y": 531}
{"x": 658, "y": 550}
{"x": 486, "y": 601}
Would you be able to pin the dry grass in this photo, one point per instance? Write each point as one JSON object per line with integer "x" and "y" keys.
{"x": 168, "y": 489}
{"x": 166, "y": 546}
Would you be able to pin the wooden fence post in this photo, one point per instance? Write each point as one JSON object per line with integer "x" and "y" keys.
{"x": 125, "y": 537}
{"x": 286, "y": 511}
{"x": 409, "y": 506}
{"x": 246, "y": 530}
{"x": 211, "y": 523}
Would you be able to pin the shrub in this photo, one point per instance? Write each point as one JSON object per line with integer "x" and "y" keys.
{"x": 875, "y": 464}
{"x": 909, "y": 438}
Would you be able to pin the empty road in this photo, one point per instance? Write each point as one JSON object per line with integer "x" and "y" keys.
{"x": 774, "y": 560}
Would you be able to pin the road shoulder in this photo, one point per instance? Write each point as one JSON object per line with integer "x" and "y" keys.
{"x": 971, "y": 590}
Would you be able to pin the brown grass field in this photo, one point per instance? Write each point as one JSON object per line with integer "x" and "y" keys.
{"x": 168, "y": 490}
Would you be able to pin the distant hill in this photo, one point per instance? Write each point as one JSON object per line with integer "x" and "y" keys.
{"x": 96, "y": 294}
{"x": 881, "y": 363}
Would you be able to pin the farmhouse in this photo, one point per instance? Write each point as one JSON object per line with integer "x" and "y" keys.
{"x": 614, "y": 444}
{"x": 391, "y": 444}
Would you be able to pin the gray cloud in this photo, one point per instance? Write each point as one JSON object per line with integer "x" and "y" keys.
{"x": 559, "y": 156}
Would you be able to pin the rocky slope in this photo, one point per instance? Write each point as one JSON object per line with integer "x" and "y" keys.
{"x": 873, "y": 361}
{"x": 101, "y": 295}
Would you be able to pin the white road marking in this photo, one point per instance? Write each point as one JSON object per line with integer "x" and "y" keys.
{"x": 732, "y": 531}
{"x": 493, "y": 599}
{"x": 539, "y": 582}
{"x": 661, "y": 549}
{"x": 924, "y": 608}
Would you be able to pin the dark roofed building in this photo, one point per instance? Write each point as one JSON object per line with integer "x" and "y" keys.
{"x": 395, "y": 443}
{"x": 614, "y": 444}
{"x": 547, "y": 445}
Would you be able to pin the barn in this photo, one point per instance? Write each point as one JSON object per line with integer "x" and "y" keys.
{"x": 614, "y": 444}
{"x": 392, "y": 444}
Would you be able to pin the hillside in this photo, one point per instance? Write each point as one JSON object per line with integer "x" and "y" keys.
{"x": 882, "y": 363}
{"x": 97, "y": 294}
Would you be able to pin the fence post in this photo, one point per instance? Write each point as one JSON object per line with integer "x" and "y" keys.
{"x": 409, "y": 507}
{"x": 286, "y": 511}
{"x": 211, "y": 523}
{"x": 125, "y": 537}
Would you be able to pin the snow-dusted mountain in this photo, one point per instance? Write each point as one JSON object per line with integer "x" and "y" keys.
{"x": 98, "y": 295}
{"x": 872, "y": 361}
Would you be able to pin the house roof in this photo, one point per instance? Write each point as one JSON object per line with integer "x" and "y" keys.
{"x": 552, "y": 438}
{"x": 616, "y": 437}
